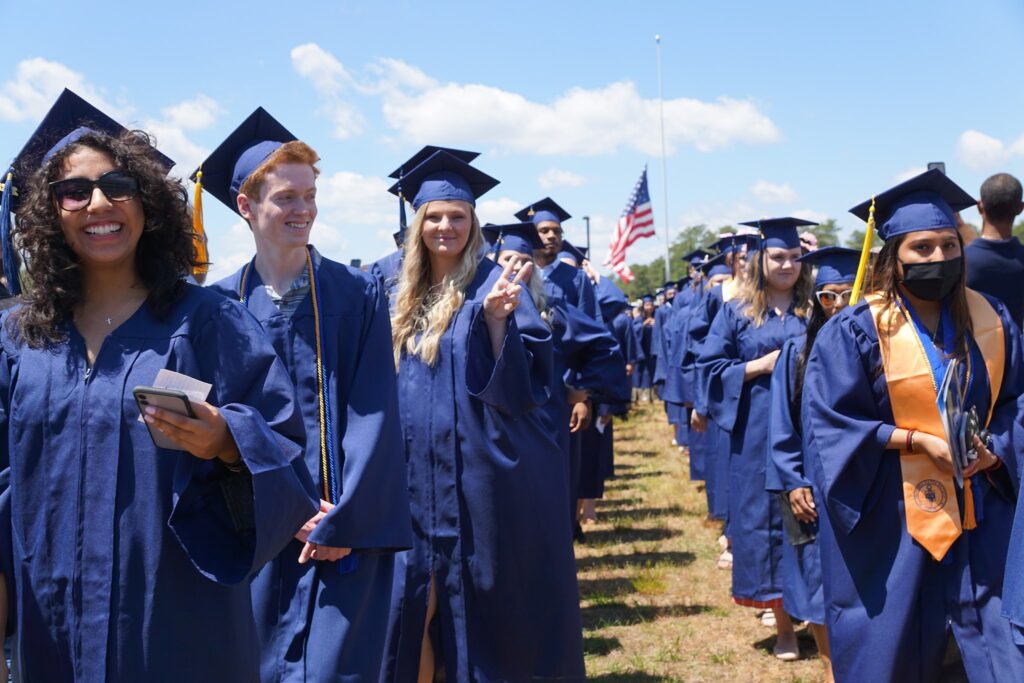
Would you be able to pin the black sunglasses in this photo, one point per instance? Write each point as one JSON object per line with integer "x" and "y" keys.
{"x": 74, "y": 194}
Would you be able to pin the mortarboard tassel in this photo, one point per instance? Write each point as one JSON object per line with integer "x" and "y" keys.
{"x": 10, "y": 265}
{"x": 865, "y": 255}
{"x": 199, "y": 237}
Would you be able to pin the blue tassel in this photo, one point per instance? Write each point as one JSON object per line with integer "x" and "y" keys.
{"x": 10, "y": 265}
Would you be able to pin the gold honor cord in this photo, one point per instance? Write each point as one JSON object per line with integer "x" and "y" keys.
{"x": 199, "y": 236}
{"x": 328, "y": 470}
{"x": 865, "y": 255}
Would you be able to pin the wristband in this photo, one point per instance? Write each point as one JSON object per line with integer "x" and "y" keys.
{"x": 910, "y": 440}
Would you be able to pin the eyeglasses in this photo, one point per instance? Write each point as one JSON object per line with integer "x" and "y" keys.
{"x": 74, "y": 194}
{"x": 827, "y": 298}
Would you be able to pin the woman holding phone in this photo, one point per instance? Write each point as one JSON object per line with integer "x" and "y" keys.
{"x": 124, "y": 553}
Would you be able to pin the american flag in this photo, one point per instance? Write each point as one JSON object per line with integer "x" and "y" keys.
{"x": 637, "y": 221}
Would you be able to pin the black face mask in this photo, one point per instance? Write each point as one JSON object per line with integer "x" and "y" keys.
{"x": 932, "y": 281}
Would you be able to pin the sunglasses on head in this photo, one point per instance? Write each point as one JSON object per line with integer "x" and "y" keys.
{"x": 74, "y": 194}
{"x": 827, "y": 298}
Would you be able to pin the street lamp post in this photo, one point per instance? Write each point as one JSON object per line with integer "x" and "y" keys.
{"x": 586, "y": 219}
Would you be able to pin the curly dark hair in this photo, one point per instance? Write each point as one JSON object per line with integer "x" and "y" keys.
{"x": 164, "y": 255}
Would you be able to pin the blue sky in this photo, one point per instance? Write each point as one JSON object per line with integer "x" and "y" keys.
{"x": 772, "y": 108}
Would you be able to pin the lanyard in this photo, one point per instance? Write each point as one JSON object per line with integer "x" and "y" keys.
{"x": 937, "y": 361}
{"x": 327, "y": 461}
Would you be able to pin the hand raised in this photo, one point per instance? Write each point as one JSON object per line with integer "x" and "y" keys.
{"x": 503, "y": 298}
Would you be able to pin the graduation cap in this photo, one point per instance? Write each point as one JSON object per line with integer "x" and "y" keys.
{"x": 542, "y": 211}
{"x": 836, "y": 265}
{"x": 411, "y": 163}
{"x": 521, "y": 238}
{"x": 779, "y": 233}
{"x": 569, "y": 250}
{"x": 925, "y": 202}
{"x": 671, "y": 284}
{"x": 716, "y": 266}
{"x": 647, "y": 298}
{"x": 683, "y": 282}
{"x": 68, "y": 120}
{"x": 443, "y": 176}
{"x": 724, "y": 244}
{"x": 427, "y": 152}
{"x": 697, "y": 257}
{"x": 242, "y": 152}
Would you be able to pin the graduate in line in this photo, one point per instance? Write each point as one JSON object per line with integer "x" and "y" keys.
{"x": 561, "y": 280}
{"x": 600, "y": 438}
{"x": 736, "y": 361}
{"x": 124, "y": 553}
{"x": 488, "y": 592}
{"x": 387, "y": 268}
{"x": 643, "y": 329}
{"x": 585, "y": 354}
{"x": 908, "y": 554}
{"x": 668, "y": 376}
{"x": 322, "y": 606}
{"x": 709, "y": 442}
{"x": 791, "y": 447}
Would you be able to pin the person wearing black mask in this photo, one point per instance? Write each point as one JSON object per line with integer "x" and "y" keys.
{"x": 913, "y": 529}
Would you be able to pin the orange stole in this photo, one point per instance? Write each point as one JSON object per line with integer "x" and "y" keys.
{"x": 933, "y": 516}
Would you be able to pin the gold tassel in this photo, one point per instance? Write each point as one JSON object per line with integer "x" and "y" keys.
{"x": 199, "y": 239}
{"x": 865, "y": 255}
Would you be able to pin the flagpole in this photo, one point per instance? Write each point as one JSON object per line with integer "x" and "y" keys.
{"x": 664, "y": 163}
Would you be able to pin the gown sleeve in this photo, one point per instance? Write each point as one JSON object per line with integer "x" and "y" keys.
{"x": 232, "y": 523}
{"x": 6, "y": 539}
{"x": 721, "y": 369}
{"x": 705, "y": 310}
{"x": 588, "y": 297}
{"x": 785, "y": 469}
{"x": 659, "y": 347}
{"x": 845, "y": 415}
{"x": 522, "y": 375}
{"x": 594, "y": 357}
{"x": 372, "y": 511}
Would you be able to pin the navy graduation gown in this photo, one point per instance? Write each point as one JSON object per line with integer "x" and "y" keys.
{"x": 713, "y": 445}
{"x": 133, "y": 561}
{"x": 487, "y": 492}
{"x": 321, "y": 620}
{"x": 562, "y": 281}
{"x": 643, "y": 372}
{"x": 594, "y": 358}
{"x": 790, "y": 449}
{"x": 740, "y": 407}
{"x": 887, "y": 601}
{"x": 388, "y": 269}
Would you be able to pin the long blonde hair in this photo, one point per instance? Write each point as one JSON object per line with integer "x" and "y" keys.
{"x": 422, "y": 313}
{"x": 753, "y": 297}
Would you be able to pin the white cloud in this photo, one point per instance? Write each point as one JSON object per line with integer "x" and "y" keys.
{"x": 811, "y": 215}
{"x": 171, "y": 134}
{"x": 331, "y": 80}
{"x": 773, "y": 193}
{"x": 36, "y": 84}
{"x": 980, "y": 152}
{"x": 196, "y": 114}
{"x": 555, "y": 178}
{"x": 500, "y": 210}
{"x": 579, "y": 122}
